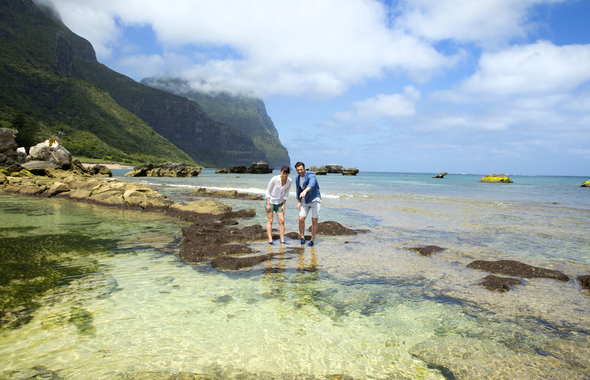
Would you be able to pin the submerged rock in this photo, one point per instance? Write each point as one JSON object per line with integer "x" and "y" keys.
{"x": 585, "y": 281}
{"x": 36, "y": 372}
{"x": 426, "y": 250}
{"x": 459, "y": 357}
{"x": 234, "y": 263}
{"x": 500, "y": 284}
{"x": 517, "y": 269}
{"x": 207, "y": 239}
{"x": 496, "y": 178}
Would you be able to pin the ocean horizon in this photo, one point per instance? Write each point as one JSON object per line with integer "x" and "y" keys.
{"x": 104, "y": 295}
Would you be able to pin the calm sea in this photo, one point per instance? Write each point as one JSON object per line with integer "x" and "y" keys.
{"x": 95, "y": 293}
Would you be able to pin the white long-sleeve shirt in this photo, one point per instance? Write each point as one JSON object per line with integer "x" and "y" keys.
{"x": 276, "y": 192}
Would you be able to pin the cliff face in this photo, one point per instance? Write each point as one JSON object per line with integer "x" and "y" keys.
{"x": 51, "y": 74}
{"x": 247, "y": 114}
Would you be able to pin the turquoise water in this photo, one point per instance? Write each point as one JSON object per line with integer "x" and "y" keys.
{"x": 104, "y": 295}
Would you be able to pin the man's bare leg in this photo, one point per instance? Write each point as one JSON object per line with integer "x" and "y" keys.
{"x": 314, "y": 228}
{"x": 302, "y": 227}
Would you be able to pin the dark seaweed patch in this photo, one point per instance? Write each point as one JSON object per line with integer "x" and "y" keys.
{"x": 32, "y": 265}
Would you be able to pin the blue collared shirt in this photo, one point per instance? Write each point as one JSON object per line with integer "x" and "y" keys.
{"x": 312, "y": 182}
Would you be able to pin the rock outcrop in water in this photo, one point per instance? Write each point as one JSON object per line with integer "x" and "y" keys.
{"x": 333, "y": 169}
{"x": 168, "y": 169}
{"x": 440, "y": 175}
{"x": 585, "y": 184}
{"x": 496, "y": 178}
{"x": 256, "y": 168}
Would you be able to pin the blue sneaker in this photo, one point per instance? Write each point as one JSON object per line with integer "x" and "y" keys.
{"x": 302, "y": 241}
{"x": 310, "y": 243}
{"x": 271, "y": 243}
{"x": 283, "y": 242}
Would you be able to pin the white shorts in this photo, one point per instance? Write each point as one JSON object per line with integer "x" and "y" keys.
{"x": 313, "y": 206}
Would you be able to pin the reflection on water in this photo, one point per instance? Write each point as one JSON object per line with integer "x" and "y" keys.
{"x": 96, "y": 293}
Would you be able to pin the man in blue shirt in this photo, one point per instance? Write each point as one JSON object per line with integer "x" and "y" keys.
{"x": 308, "y": 199}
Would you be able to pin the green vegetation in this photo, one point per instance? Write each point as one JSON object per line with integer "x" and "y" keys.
{"x": 40, "y": 103}
{"x": 52, "y": 86}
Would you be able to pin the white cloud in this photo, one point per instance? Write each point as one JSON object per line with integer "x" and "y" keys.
{"x": 540, "y": 67}
{"x": 382, "y": 106}
{"x": 302, "y": 47}
{"x": 484, "y": 21}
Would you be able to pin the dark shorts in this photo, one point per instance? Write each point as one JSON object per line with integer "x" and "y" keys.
{"x": 276, "y": 208}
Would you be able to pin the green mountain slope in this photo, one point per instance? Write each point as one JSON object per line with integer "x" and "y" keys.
{"x": 52, "y": 76}
{"x": 82, "y": 116}
{"x": 245, "y": 113}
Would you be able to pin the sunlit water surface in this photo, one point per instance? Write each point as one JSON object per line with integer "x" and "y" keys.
{"x": 108, "y": 296}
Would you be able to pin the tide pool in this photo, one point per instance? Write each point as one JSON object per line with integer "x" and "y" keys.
{"x": 101, "y": 293}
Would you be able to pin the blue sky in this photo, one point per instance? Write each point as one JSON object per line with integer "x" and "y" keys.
{"x": 462, "y": 86}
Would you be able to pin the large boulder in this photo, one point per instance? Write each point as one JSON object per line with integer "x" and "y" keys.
{"x": 8, "y": 153}
{"x": 100, "y": 170}
{"x": 52, "y": 152}
{"x": 168, "y": 169}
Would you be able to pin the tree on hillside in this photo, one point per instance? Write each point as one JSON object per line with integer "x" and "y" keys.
{"x": 27, "y": 131}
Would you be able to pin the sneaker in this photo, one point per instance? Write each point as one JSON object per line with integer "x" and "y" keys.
{"x": 302, "y": 241}
{"x": 310, "y": 243}
{"x": 282, "y": 242}
{"x": 271, "y": 243}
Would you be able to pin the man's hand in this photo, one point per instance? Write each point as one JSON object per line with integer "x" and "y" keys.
{"x": 299, "y": 206}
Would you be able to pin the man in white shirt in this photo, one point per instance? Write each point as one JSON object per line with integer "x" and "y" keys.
{"x": 277, "y": 193}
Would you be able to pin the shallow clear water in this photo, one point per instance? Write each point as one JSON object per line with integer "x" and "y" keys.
{"x": 108, "y": 295}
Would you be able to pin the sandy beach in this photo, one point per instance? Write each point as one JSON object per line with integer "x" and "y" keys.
{"x": 110, "y": 165}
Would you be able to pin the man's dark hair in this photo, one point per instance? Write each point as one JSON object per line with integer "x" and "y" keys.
{"x": 286, "y": 169}
{"x": 299, "y": 164}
